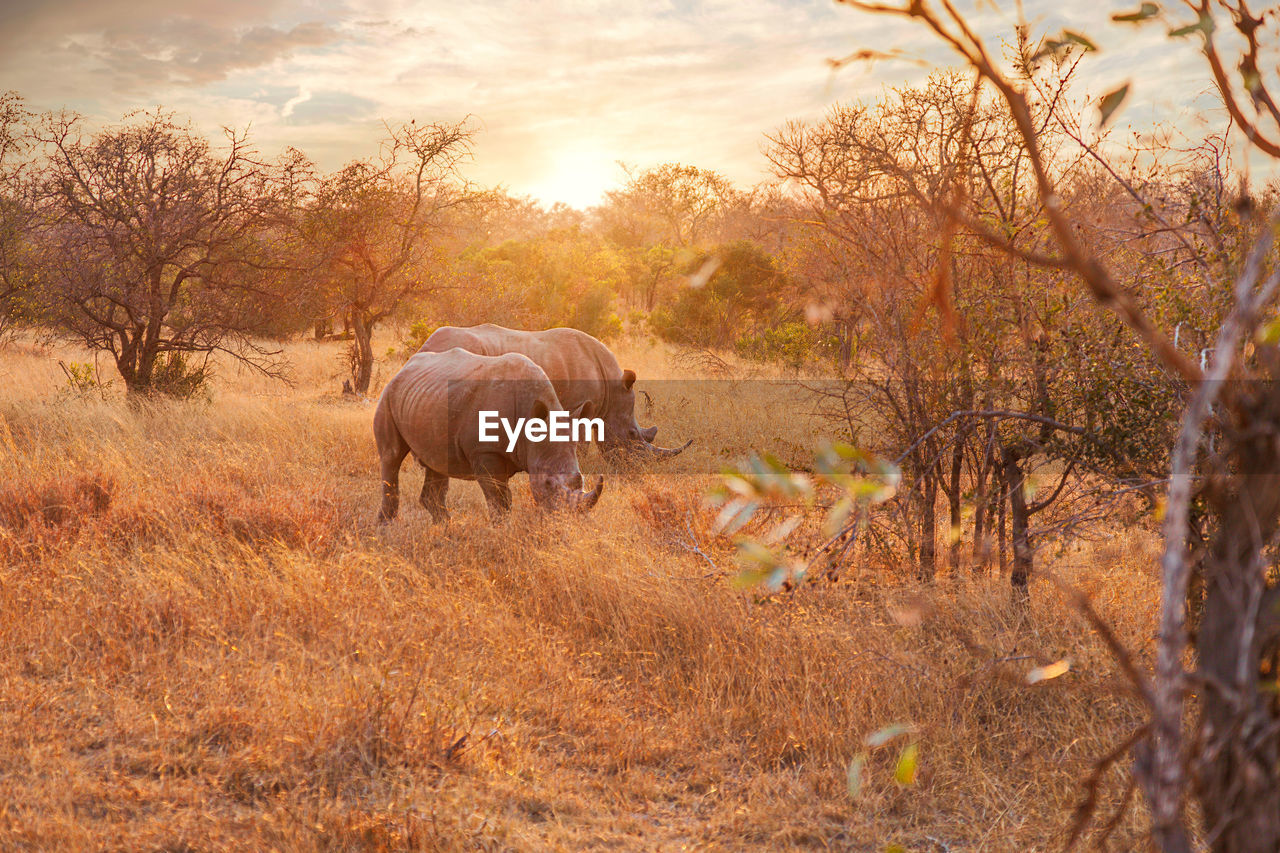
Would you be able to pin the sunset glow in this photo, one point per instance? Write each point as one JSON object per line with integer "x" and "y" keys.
{"x": 695, "y": 81}
{"x": 578, "y": 178}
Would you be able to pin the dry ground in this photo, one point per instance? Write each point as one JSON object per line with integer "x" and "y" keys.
{"x": 206, "y": 643}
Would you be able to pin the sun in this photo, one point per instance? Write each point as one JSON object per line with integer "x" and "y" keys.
{"x": 578, "y": 178}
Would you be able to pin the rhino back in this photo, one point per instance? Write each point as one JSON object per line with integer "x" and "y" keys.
{"x": 579, "y": 366}
{"x": 436, "y": 398}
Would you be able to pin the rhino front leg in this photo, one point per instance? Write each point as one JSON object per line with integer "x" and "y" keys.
{"x": 492, "y": 475}
{"x": 434, "y": 490}
{"x": 498, "y": 495}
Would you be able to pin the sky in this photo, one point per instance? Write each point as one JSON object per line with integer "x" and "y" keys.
{"x": 560, "y": 91}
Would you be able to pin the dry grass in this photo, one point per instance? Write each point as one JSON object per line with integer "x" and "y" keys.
{"x": 207, "y": 644}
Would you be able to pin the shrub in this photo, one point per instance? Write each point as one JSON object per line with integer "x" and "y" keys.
{"x": 175, "y": 376}
{"x": 793, "y": 344}
{"x": 83, "y": 378}
{"x": 417, "y": 336}
{"x": 594, "y": 314}
{"x": 733, "y": 288}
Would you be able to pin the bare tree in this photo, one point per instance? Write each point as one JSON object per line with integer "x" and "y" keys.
{"x": 375, "y": 227}
{"x": 672, "y": 204}
{"x": 17, "y": 214}
{"x": 152, "y": 245}
{"x": 875, "y": 179}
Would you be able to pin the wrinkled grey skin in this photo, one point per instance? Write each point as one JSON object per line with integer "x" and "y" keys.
{"x": 581, "y": 368}
{"x": 431, "y": 409}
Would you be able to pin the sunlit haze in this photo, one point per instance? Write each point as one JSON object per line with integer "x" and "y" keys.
{"x": 560, "y": 91}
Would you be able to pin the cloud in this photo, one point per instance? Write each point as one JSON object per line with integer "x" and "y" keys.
{"x": 195, "y": 53}
{"x": 321, "y": 107}
{"x": 698, "y": 81}
{"x": 33, "y": 24}
{"x": 304, "y": 95}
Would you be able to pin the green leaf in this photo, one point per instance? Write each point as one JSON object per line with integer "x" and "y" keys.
{"x": 748, "y": 578}
{"x": 735, "y": 514}
{"x": 1148, "y": 10}
{"x": 736, "y": 483}
{"x": 783, "y": 529}
{"x": 853, "y": 779}
{"x": 780, "y": 574}
{"x": 1049, "y": 47}
{"x": 1048, "y": 671}
{"x": 756, "y": 556}
{"x": 1110, "y": 103}
{"x": 718, "y": 494}
{"x": 1083, "y": 41}
{"x": 905, "y": 771}
{"x": 881, "y": 737}
{"x": 837, "y": 517}
{"x": 1204, "y": 25}
{"x": 1269, "y": 334}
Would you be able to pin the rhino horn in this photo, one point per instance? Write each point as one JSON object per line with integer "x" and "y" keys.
{"x": 584, "y": 500}
{"x": 649, "y": 434}
{"x": 668, "y": 452}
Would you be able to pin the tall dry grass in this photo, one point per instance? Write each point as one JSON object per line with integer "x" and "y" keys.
{"x": 207, "y": 643}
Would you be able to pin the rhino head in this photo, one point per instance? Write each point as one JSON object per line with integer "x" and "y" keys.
{"x": 554, "y": 476}
{"x": 622, "y": 433}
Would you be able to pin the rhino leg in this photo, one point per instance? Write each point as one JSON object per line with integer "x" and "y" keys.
{"x": 392, "y": 449}
{"x": 492, "y": 475}
{"x": 434, "y": 490}
{"x": 498, "y": 495}
{"x": 390, "y": 487}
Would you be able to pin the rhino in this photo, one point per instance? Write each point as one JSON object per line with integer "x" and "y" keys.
{"x": 580, "y": 367}
{"x": 431, "y": 408}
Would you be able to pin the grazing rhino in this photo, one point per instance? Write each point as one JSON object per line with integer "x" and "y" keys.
{"x": 432, "y": 407}
{"x": 581, "y": 368}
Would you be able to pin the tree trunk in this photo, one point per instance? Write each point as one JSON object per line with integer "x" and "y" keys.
{"x": 126, "y": 364}
{"x": 1019, "y": 522}
{"x": 651, "y": 292}
{"x": 363, "y": 328}
{"x": 137, "y": 364}
{"x": 928, "y": 528}
{"x": 1002, "y": 522}
{"x": 982, "y": 519}
{"x": 845, "y": 336}
{"x": 1238, "y": 643}
{"x": 953, "y": 501}
{"x": 979, "y": 528}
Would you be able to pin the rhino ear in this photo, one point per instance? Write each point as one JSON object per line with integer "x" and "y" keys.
{"x": 540, "y": 411}
{"x": 628, "y": 379}
{"x": 585, "y": 410}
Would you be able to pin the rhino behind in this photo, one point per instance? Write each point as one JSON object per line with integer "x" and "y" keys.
{"x": 580, "y": 367}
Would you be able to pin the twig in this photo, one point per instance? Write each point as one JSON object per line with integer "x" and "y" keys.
{"x": 987, "y": 413}
{"x": 1140, "y": 681}
{"x": 692, "y": 546}
{"x": 1089, "y": 804}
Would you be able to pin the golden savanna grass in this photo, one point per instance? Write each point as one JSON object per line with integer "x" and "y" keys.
{"x": 208, "y": 644}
